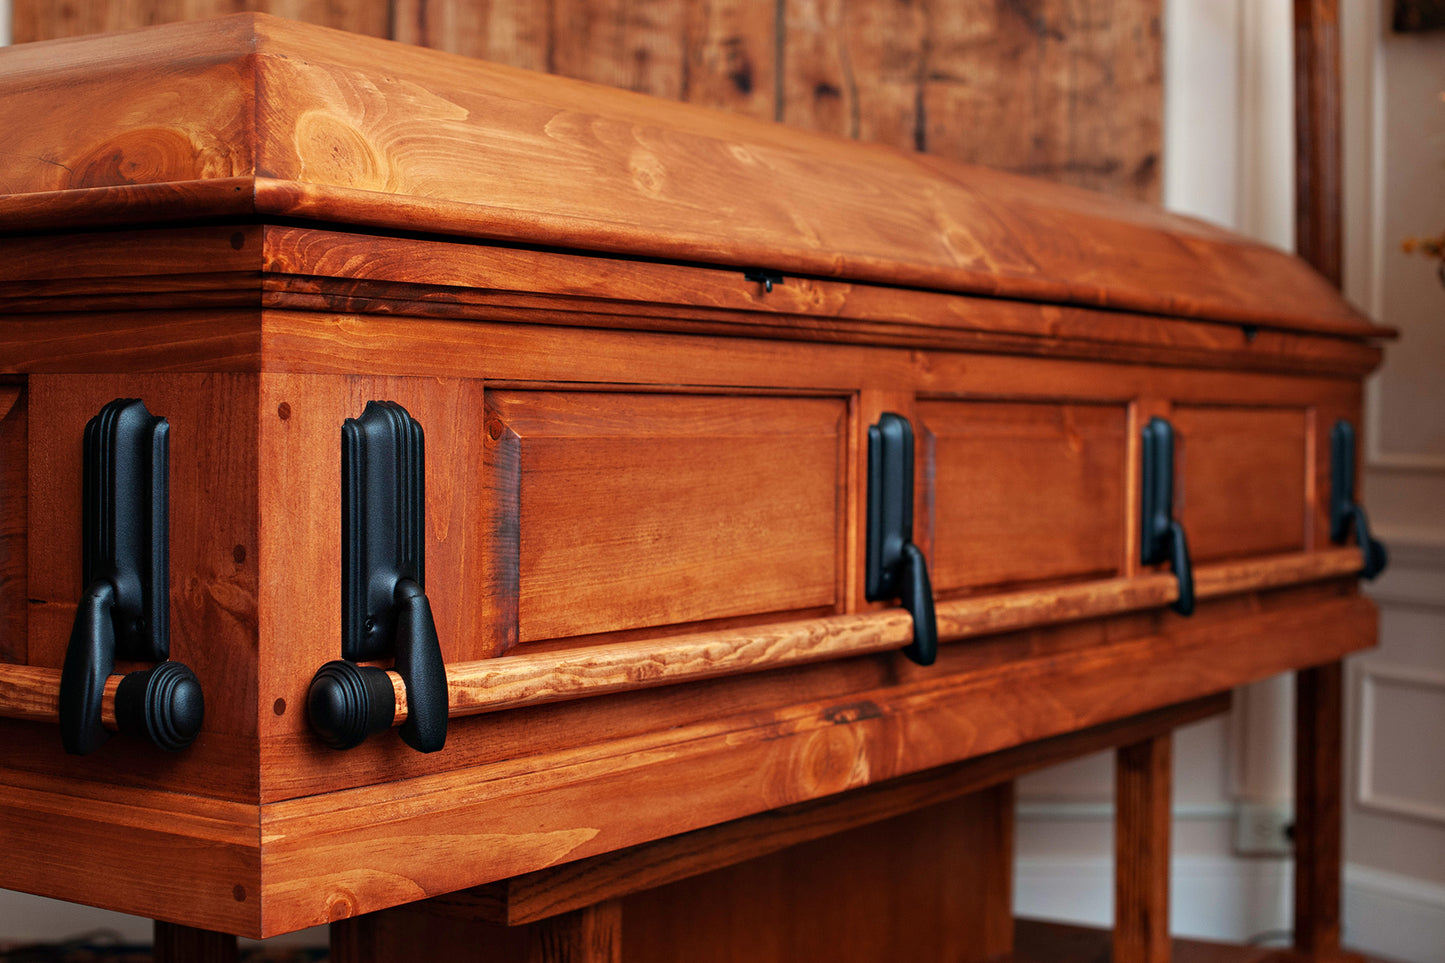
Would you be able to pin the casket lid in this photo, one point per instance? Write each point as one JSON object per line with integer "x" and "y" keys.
{"x": 252, "y": 116}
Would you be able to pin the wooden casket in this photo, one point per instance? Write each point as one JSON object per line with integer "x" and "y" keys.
{"x": 595, "y": 469}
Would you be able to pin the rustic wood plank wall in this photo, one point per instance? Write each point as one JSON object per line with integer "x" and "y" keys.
{"x": 1069, "y": 90}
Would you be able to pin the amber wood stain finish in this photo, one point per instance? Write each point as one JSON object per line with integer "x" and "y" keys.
{"x": 968, "y": 230}
{"x": 832, "y": 898}
{"x": 1141, "y": 851}
{"x": 212, "y": 514}
{"x": 35, "y": 20}
{"x": 992, "y": 83}
{"x": 1241, "y": 479}
{"x": 1319, "y": 717}
{"x": 996, "y": 83}
{"x": 14, "y": 523}
{"x": 579, "y": 359}
{"x": 539, "y": 677}
{"x": 623, "y": 511}
{"x": 1024, "y": 492}
{"x": 659, "y": 920}
{"x": 184, "y": 944}
{"x": 327, "y": 845}
{"x": 548, "y": 892}
{"x": 1319, "y": 156}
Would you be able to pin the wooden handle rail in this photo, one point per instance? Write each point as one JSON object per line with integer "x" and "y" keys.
{"x": 488, "y": 685}
{"x": 33, "y": 692}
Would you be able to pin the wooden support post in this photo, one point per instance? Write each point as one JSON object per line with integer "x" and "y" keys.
{"x": 1318, "y": 176}
{"x": 1141, "y": 851}
{"x": 1319, "y": 711}
{"x": 589, "y": 935}
{"x": 185, "y": 944}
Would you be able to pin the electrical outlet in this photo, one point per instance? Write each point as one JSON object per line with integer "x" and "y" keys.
{"x": 1264, "y": 829}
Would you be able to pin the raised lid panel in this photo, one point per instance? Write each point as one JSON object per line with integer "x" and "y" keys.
{"x": 1024, "y": 491}
{"x": 617, "y": 511}
{"x": 1240, "y": 479}
{"x": 292, "y": 120}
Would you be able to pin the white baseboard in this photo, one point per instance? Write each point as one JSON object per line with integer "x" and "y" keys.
{"x": 1210, "y": 897}
{"x": 1396, "y": 916}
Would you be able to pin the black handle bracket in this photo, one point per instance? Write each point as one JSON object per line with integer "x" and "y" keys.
{"x": 764, "y": 277}
{"x": 1161, "y": 536}
{"x": 125, "y": 611}
{"x": 894, "y": 567}
{"x": 1345, "y": 512}
{"x": 384, "y": 608}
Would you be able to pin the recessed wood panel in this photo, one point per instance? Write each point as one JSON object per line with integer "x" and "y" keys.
{"x": 619, "y": 511}
{"x": 1024, "y": 491}
{"x": 1240, "y": 482}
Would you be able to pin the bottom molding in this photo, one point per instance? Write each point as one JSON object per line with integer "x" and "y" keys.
{"x": 1396, "y": 916}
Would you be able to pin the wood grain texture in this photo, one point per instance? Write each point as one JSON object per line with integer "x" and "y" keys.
{"x": 14, "y": 523}
{"x": 592, "y": 934}
{"x": 119, "y": 340}
{"x": 203, "y": 269}
{"x": 1023, "y": 492}
{"x": 36, "y": 20}
{"x": 1319, "y": 154}
{"x": 340, "y": 343}
{"x": 185, "y": 944}
{"x": 178, "y": 857}
{"x": 930, "y": 885}
{"x": 614, "y": 344}
{"x": 299, "y": 499}
{"x": 497, "y": 683}
{"x": 1143, "y": 780}
{"x": 1319, "y": 792}
{"x": 213, "y": 593}
{"x": 1241, "y": 479}
{"x": 502, "y": 31}
{"x": 536, "y": 678}
{"x": 634, "y": 510}
{"x": 466, "y": 147}
{"x": 559, "y": 889}
{"x": 308, "y": 268}
{"x": 416, "y": 837}
{"x": 29, "y": 692}
{"x": 1042, "y": 88}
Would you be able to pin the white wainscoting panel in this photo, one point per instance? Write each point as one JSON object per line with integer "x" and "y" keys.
{"x": 1402, "y": 755}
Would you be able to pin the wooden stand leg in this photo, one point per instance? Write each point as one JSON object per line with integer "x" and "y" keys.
{"x": 1141, "y": 851}
{"x": 184, "y": 944}
{"x": 589, "y": 935}
{"x": 1319, "y": 711}
{"x": 592, "y": 934}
